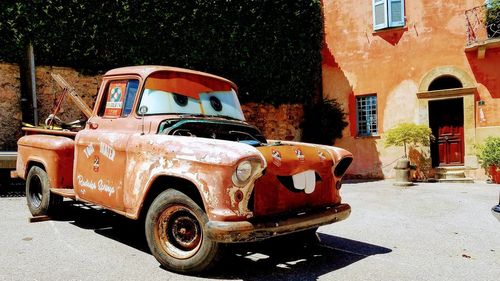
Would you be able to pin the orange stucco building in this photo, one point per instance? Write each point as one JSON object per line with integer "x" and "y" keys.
{"x": 421, "y": 61}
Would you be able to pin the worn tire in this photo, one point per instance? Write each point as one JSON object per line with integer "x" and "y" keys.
{"x": 175, "y": 232}
{"x": 38, "y": 196}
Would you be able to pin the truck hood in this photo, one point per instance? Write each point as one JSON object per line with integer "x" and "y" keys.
{"x": 193, "y": 149}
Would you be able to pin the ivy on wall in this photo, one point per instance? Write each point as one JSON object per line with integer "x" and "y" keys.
{"x": 270, "y": 48}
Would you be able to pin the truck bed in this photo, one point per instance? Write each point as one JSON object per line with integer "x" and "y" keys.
{"x": 34, "y": 131}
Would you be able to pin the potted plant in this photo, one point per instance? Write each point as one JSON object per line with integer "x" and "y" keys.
{"x": 489, "y": 154}
{"x": 407, "y": 135}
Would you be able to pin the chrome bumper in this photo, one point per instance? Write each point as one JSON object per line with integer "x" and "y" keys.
{"x": 246, "y": 231}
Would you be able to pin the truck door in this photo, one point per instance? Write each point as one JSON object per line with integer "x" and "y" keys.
{"x": 100, "y": 156}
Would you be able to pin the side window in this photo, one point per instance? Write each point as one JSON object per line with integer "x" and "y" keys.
{"x": 120, "y": 98}
{"x": 366, "y": 109}
{"x": 131, "y": 93}
{"x": 388, "y": 13}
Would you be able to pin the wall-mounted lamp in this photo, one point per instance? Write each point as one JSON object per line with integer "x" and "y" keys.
{"x": 482, "y": 117}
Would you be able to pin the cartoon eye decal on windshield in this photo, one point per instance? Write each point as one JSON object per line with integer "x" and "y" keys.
{"x": 180, "y": 100}
{"x": 215, "y": 103}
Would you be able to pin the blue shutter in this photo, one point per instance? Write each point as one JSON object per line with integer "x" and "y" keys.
{"x": 396, "y": 13}
{"x": 380, "y": 14}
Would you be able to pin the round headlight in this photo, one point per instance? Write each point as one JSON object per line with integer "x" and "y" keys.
{"x": 244, "y": 171}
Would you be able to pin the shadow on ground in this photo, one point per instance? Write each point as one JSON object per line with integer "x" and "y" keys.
{"x": 356, "y": 181}
{"x": 273, "y": 259}
{"x": 12, "y": 188}
{"x": 282, "y": 259}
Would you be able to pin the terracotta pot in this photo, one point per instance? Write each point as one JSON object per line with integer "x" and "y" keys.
{"x": 494, "y": 173}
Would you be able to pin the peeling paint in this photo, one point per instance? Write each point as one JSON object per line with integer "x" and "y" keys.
{"x": 131, "y": 160}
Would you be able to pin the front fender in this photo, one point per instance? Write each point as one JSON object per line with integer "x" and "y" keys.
{"x": 207, "y": 163}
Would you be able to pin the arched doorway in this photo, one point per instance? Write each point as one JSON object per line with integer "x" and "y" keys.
{"x": 446, "y": 119}
{"x": 446, "y": 103}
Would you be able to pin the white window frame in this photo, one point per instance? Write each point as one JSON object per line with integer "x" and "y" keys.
{"x": 389, "y": 22}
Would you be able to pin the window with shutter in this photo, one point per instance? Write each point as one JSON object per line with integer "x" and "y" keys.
{"x": 396, "y": 13}
{"x": 388, "y": 13}
{"x": 379, "y": 14}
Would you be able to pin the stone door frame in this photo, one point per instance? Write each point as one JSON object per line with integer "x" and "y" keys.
{"x": 466, "y": 93}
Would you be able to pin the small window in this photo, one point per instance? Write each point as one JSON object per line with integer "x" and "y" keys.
{"x": 120, "y": 98}
{"x": 132, "y": 86}
{"x": 388, "y": 13}
{"x": 366, "y": 109}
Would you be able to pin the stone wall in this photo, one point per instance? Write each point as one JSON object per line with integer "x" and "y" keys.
{"x": 10, "y": 106}
{"x": 282, "y": 122}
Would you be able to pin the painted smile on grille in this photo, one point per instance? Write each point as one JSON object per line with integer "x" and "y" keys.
{"x": 301, "y": 182}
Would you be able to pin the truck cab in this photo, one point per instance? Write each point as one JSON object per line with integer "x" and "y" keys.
{"x": 171, "y": 146}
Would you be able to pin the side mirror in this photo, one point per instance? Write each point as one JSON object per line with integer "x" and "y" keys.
{"x": 143, "y": 110}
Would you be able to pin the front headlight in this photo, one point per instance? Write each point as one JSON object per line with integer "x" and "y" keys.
{"x": 243, "y": 171}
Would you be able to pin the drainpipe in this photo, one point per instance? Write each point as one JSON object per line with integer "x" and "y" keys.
{"x": 32, "y": 81}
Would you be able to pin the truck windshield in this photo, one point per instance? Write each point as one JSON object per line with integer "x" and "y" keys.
{"x": 174, "y": 93}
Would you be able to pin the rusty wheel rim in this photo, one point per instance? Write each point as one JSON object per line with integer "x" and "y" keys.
{"x": 179, "y": 232}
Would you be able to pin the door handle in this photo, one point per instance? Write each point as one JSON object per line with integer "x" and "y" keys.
{"x": 446, "y": 138}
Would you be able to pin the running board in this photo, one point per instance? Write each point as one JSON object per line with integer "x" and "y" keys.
{"x": 64, "y": 192}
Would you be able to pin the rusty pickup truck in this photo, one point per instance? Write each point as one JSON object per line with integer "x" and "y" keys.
{"x": 171, "y": 146}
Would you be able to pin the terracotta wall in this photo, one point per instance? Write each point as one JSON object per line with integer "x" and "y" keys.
{"x": 392, "y": 63}
{"x": 487, "y": 74}
{"x": 281, "y": 122}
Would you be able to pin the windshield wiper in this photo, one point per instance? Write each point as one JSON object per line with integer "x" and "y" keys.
{"x": 205, "y": 115}
{"x": 224, "y": 116}
{"x": 244, "y": 134}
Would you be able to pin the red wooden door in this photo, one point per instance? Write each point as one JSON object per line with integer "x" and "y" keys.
{"x": 447, "y": 123}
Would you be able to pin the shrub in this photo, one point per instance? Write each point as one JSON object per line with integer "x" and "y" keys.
{"x": 493, "y": 19}
{"x": 489, "y": 152}
{"x": 270, "y": 48}
{"x": 323, "y": 122}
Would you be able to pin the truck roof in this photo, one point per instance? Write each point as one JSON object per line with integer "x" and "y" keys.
{"x": 145, "y": 70}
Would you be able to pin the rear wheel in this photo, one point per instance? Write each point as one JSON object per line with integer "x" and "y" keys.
{"x": 175, "y": 233}
{"x": 38, "y": 196}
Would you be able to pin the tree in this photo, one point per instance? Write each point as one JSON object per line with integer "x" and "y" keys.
{"x": 408, "y": 133}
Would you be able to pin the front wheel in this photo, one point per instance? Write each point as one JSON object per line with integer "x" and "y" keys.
{"x": 175, "y": 233}
{"x": 38, "y": 196}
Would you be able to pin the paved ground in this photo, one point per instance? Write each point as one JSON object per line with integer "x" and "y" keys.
{"x": 425, "y": 232}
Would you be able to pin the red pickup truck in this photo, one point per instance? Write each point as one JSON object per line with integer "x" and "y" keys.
{"x": 171, "y": 146}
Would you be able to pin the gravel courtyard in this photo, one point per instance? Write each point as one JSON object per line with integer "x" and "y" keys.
{"x": 429, "y": 231}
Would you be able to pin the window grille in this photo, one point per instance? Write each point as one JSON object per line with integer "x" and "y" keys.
{"x": 366, "y": 108}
